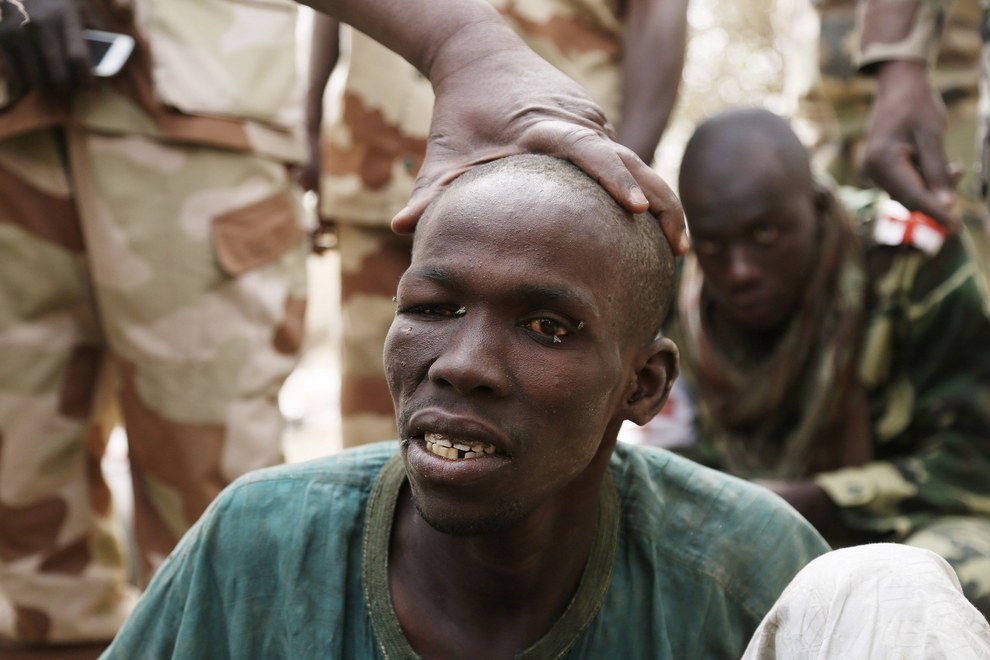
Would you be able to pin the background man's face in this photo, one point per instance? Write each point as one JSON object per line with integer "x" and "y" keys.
{"x": 755, "y": 239}
{"x": 505, "y": 340}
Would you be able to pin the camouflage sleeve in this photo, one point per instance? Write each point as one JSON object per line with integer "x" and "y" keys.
{"x": 898, "y": 30}
{"x": 929, "y": 399}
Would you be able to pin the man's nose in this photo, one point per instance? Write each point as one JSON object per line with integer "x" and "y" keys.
{"x": 742, "y": 269}
{"x": 473, "y": 360}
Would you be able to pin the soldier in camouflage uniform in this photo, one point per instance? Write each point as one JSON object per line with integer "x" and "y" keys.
{"x": 627, "y": 53}
{"x": 846, "y": 367}
{"x": 909, "y": 133}
{"x": 833, "y": 110}
{"x": 147, "y": 223}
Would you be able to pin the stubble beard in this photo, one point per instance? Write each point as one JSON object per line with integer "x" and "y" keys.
{"x": 502, "y": 517}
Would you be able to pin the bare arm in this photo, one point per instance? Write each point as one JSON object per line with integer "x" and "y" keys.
{"x": 653, "y": 60}
{"x": 323, "y": 55}
{"x": 495, "y": 97}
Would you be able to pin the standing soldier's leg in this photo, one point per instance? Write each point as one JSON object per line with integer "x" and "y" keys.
{"x": 62, "y": 575}
{"x": 372, "y": 259}
{"x": 198, "y": 259}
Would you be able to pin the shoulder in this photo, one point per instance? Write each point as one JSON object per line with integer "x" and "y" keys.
{"x": 720, "y": 530}
{"x": 348, "y": 474}
{"x": 325, "y": 495}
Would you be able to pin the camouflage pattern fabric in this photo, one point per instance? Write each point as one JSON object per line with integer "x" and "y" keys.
{"x": 372, "y": 147}
{"x": 372, "y": 259}
{"x": 964, "y": 542}
{"x": 924, "y": 361}
{"x": 196, "y": 290}
{"x": 169, "y": 248}
{"x": 214, "y": 72}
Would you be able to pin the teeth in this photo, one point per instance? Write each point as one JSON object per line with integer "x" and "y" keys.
{"x": 441, "y": 445}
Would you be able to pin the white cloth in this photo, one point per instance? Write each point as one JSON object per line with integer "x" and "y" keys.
{"x": 873, "y": 601}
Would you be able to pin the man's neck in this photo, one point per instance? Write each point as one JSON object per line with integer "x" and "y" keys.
{"x": 490, "y": 595}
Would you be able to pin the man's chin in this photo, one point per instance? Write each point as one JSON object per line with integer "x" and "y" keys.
{"x": 757, "y": 319}
{"x": 466, "y": 526}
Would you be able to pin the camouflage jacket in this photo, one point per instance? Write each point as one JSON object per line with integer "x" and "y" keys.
{"x": 923, "y": 359}
{"x": 374, "y": 136}
{"x": 217, "y": 72}
{"x": 925, "y": 363}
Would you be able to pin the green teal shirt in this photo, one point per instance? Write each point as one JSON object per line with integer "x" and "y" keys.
{"x": 289, "y": 563}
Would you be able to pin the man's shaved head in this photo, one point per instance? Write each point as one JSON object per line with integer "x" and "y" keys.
{"x": 740, "y": 142}
{"x": 642, "y": 256}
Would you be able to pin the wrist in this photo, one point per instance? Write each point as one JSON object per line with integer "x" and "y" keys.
{"x": 488, "y": 40}
{"x": 898, "y": 31}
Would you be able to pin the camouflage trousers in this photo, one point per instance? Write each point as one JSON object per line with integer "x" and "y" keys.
{"x": 182, "y": 270}
{"x": 372, "y": 259}
{"x": 964, "y": 542}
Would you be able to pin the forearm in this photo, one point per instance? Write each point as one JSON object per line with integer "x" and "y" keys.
{"x": 435, "y": 36}
{"x": 653, "y": 60}
{"x": 323, "y": 56}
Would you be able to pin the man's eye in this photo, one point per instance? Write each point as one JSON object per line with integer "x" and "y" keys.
{"x": 706, "y": 248}
{"x": 766, "y": 235}
{"x": 443, "y": 311}
{"x": 550, "y": 329}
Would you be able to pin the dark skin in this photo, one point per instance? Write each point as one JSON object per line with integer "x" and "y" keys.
{"x": 495, "y": 97}
{"x": 45, "y": 53}
{"x": 507, "y": 535}
{"x": 755, "y": 235}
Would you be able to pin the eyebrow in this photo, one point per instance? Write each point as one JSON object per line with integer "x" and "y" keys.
{"x": 567, "y": 296}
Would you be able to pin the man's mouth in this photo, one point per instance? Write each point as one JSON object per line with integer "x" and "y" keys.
{"x": 443, "y": 445}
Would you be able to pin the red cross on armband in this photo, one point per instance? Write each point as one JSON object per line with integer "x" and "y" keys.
{"x": 898, "y": 226}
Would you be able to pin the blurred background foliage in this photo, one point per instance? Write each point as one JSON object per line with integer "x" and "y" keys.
{"x": 740, "y": 52}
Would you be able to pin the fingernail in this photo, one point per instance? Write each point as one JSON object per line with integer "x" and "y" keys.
{"x": 637, "y": 197}
{"x": 945, "y": 197}
{"x": 685, "y": 243}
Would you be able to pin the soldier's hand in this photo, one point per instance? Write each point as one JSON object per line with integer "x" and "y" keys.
{"x": 510, "y": 101}
{"x": 904, "y": 152}
{"x": 46, "y": 50}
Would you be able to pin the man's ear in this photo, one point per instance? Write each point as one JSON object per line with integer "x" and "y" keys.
{"x": 659, "y": 366}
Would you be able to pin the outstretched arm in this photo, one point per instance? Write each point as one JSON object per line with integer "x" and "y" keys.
{"x": 495, "y": 97}
{"x": 904, "y": 152}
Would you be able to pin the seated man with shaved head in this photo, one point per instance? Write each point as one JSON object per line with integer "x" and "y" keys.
{"x": 845, "y": 365}
{"x": 505, "y": 522}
